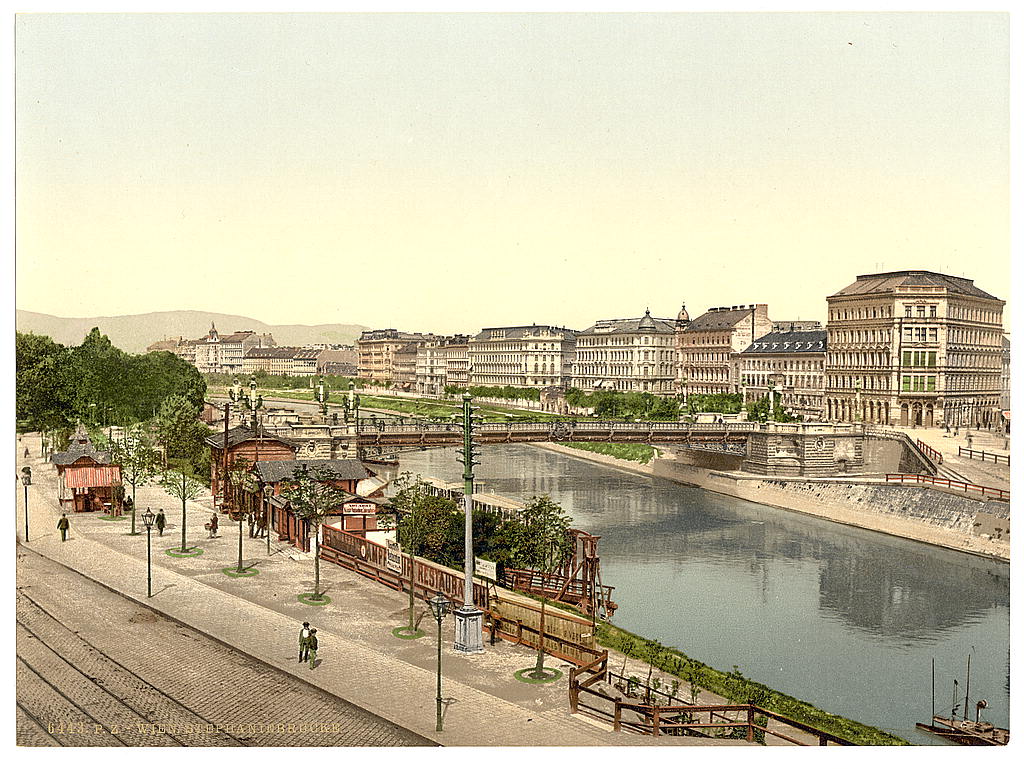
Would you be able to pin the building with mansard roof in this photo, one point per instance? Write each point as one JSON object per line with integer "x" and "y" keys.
{"x": 627, "y": 355}
{"x": 522, "y": 356}
{"x": 914, "y": 348}
{"x": 792, "y": 363}
{"x": 708, "y": 346}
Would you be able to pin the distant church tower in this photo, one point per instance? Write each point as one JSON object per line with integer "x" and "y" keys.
{"x": 683, "y": 318}
{"x": 212, "y": 336}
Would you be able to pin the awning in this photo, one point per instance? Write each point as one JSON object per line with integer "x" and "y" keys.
{"x": 92, "y": 477}
{"x": 1006, "y": 415}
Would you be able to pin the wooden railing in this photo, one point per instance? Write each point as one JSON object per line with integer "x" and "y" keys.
{"x": 929, "y": 452}
{"x": 565, "y": 636}
{"x": 658, "y": 719}
{"x": 554, "y": 586}
{"x": 984, "y": 456}
{"x": 946, "y": 483}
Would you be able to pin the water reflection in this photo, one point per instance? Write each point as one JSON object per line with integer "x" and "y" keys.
{"x": 846, "y": 618}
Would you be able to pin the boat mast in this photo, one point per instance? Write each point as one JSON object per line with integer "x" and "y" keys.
{"x": 967, "y": 688}
{"x": 933, "y": 692}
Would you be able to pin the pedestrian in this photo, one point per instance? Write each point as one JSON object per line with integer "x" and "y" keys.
{"x": 26, "y": 452}
{"x": 62, "y": 526}
{"x": 161, "y": 521}
{"x": 212, "y": 526}
{"x": 304, "y": 642}
{"x": 970, "y": 440}
{"x": 252, "y": 525}
{"x": 312, "y": 646}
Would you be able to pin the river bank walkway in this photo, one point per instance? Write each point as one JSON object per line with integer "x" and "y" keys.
{"x": 360, "y": 660}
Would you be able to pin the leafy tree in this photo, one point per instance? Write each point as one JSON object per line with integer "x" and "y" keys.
{"x": 180, "y": 482}
{"x": 541, "y": 541}
{"x": 716, "y": 403}
{"x": 435, "y": 527}
{"x": 181, "y": 433}
{"x": 137, "y": 458}
{"x": 313, "y": 496}
{"x": 760, "y": 411}
{"x": 48, "y": 397}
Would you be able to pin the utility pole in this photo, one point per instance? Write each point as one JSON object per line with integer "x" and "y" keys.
{"x": 469, "y": 635}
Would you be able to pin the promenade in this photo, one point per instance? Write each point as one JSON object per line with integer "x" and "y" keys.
{"x": 361, "y": 661}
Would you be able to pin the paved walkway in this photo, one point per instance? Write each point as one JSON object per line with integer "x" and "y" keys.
{"x": 984, "y": 473}
{"x": 361, "y": 661}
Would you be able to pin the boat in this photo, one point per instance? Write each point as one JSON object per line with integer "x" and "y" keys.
{"x": 382, "y": 459}
{"x": 966, "y": 732}
{"x": 962, "y": 730}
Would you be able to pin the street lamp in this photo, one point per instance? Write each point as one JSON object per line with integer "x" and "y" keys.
{"x": 321, "y": 394}
{"x": 26, "y": 481}
{"x": 468, "y": 618}
{"x": 439, "y": 607}
{"x": 147, "y": 518}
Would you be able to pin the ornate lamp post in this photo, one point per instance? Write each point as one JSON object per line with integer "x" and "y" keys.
{"x": 26, "y": 481}
{"x": 439, "y": 607}
{"x": 321, "y": 394}
{"x": 147, "y": 518}
{"x": 469, "y": 629}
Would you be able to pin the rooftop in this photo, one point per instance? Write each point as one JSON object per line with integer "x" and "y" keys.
{"x": 889, "y": 282}
{"x": 789, "y": 342}
{"x": 340, "y": 469}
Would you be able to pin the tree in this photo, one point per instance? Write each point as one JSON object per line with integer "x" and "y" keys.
{"x": 181, "y": 433}
{"x": 313, "y": 496}
{"x": 137, "y": 458}
{"x": 542, "y": 542}
{"x": 47, "y": 395}
{"x": 179, "y": 482}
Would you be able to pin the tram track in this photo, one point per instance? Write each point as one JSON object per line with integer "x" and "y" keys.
{"x": 146, "y": 726}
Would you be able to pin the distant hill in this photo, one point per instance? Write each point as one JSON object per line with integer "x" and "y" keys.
{"x": 134, "y": 333}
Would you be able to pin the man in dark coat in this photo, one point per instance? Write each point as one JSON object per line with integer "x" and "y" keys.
{"x": 161, "y": 521}
{"x": 304, "y": 642}
{"x": 312, "y": 646}
{"x": 62, "y": 526}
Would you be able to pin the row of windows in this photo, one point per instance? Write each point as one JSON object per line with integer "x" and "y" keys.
{"x": 860, "y": 313}
{"x": 605, "y": 355}
{"x": 965, "y": 312}
{"x": 863, "y": 336}
{"x": 664, "y": 340}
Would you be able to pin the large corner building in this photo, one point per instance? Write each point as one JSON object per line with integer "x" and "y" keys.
{"x": 914, "y": 347}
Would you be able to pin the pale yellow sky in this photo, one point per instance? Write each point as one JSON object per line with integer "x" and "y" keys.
{"x": 447, "y": 172}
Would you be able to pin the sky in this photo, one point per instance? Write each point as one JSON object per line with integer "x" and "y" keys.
{"x": 443, "y": 173}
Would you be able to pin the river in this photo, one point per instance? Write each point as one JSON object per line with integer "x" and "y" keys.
{"x": 846, "y": 619}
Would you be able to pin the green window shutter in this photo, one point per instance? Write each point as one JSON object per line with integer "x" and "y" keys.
{"x": 931, "y": 360}
{"x": 906, "y": 384}
{"x": 906, "y": 357}
{"x": 931, "y": 384}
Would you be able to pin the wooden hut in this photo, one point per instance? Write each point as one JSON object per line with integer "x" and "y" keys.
{"x": 87, "y": 479}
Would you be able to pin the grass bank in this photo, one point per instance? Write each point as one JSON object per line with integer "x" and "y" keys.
{"x": 736, "y": 688}
{"x": 632, "y": 452}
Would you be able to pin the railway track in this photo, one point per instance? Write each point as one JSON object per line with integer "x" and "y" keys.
{"x": 97, "y": 698}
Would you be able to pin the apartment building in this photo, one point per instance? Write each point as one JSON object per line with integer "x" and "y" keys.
{"x": 522, "y": 356}
{"x": 627, "y": 355}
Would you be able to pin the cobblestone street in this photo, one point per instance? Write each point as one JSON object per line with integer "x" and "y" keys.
{"x": 130, "y": 677}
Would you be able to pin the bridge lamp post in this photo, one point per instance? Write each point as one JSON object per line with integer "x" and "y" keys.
{"x": 468, "y": 619}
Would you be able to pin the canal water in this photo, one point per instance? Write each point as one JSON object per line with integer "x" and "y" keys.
{"x": 846, "y": 619}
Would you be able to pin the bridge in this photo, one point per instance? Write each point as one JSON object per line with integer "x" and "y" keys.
{"x": 731, "y": 436}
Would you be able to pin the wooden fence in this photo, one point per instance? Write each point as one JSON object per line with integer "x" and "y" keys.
{"x": 929, "y": 452}
{"x": 748, "y": 723}
{"x": 946, "y": 483}
{"x": 565, "y": 636}
{"x": 984, "y": 456}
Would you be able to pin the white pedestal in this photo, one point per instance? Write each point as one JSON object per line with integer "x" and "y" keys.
{"x": 469, "y": 630}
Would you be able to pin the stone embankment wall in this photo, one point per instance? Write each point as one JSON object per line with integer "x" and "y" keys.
{"x": 916, "y": 512}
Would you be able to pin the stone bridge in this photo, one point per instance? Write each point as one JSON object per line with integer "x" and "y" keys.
{"x": 792, "y": 449}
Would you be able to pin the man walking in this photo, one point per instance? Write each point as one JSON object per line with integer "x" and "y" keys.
{"x": 304, "y": 642}
{"x": 62, "y": 526}
{"x": 311, "y": 645}
{"x": 161, "y": 521}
